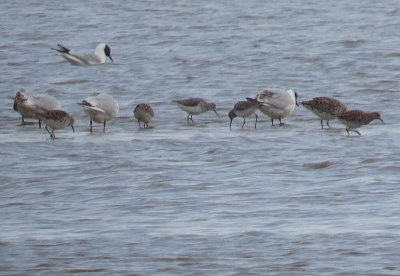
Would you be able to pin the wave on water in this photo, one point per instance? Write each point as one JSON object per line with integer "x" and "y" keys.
{"x": 70, "y": 81}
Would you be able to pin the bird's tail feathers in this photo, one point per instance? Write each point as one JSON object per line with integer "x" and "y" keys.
{"x": 61, "y": 49}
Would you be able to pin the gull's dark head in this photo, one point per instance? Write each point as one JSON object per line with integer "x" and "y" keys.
{"x": 85, "y": 103}
{"x": 15, "y": 105}
{"x": 107, "y": 52}
{"x": 295, "y": 96}
{"x": 20, "y": 97}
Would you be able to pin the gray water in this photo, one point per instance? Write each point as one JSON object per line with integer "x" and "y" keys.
{"x": 201, "y": 199}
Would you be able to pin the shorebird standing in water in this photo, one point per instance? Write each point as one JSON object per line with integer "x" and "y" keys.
{"x": 143, "y": 113}
{"x": 325, "y": 108}
{"x": 28, "y": 104}
{"x": 101, "y": 108}
{"x": 244, "y": 109}
{"x": 195, "y": 106}
{"x": 277, "y": 103}
{"x": 56, "y": 119}
{"x": 354, "y": 119}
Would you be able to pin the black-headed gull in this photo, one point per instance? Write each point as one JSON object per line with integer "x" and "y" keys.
{"x": 101, "y": 108}
{"x": 28, "y": 104}
{"x": 98, "y": 57}
{"x": 277, "y": 103}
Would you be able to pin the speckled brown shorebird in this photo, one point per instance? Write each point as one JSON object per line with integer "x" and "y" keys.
{"x": 143, "y": 113}
{"x": 354, "y": 119}
{"x": 56, "y": 119}
{"x": 244, "y": 109}
{"x": 325, "y": 108}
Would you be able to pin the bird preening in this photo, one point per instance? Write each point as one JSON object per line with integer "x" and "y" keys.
{"x": 28, "y": 104}
{"x": 100, "y": 108}
{"x": 277, "y": 103}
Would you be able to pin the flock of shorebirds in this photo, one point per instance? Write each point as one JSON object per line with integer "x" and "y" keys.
{"x": 101, "y": 108}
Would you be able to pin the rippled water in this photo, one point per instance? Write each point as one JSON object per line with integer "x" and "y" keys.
{"x": 200, "y": 199}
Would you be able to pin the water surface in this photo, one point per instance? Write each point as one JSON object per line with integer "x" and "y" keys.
{"x": 201, "y": 199}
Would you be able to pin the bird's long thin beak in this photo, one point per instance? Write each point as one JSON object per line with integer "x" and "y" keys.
{"x": 216, "y": 112}
{"x": 73, "y": 130}
{"x": 111, "y": 58}
{"x": 381, "y": 120}
{"x": 230, "y": 125}
{"x": 297, "y": 104}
